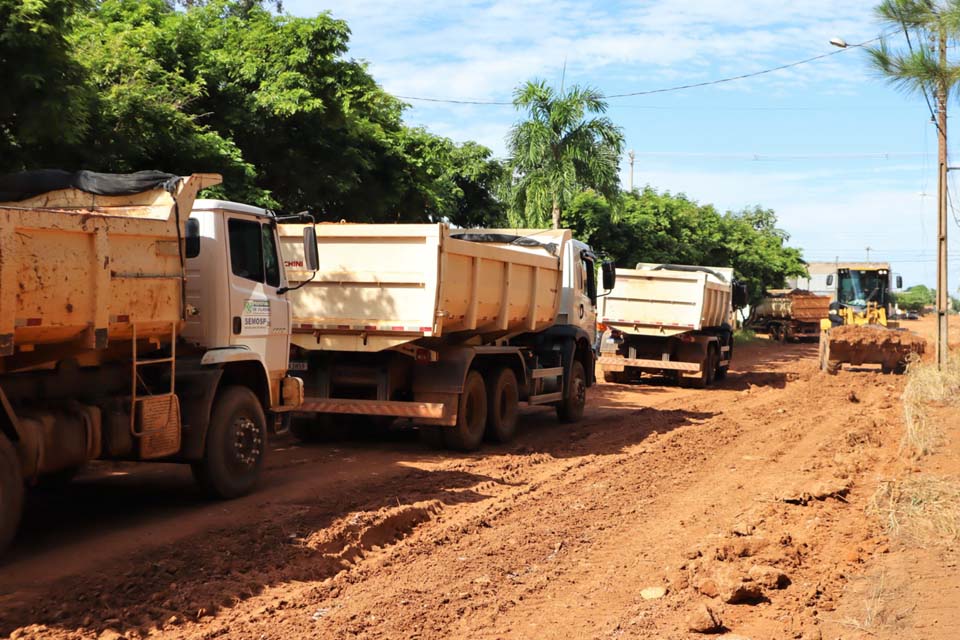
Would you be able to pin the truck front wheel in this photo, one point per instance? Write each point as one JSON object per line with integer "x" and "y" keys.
{"x": 574, "y": 400}
{"x": 503, "y": 398}
{"x": 11, "y": 492}
{"x": 236, "y": 444}
{"x": 467, "y": 434}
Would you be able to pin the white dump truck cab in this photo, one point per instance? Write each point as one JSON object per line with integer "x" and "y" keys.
{"x": 580, "y": 295}
{"x": 237, "y": 309}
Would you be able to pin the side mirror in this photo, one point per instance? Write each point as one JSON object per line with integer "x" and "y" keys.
{"x": 740, "y": 295}
{"x": 191, "y": 240}
{"x": 830, "y": 280}
{"x": 899, "y": 282}
{"x": 609, "y": 273}
{"x": 310, "y": 255}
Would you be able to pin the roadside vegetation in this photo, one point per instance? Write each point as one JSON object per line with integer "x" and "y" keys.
{"x": 276, "y": 104}
{"x": 927, "y": 387}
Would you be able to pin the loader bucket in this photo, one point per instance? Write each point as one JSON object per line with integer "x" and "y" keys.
{"x": 868, "y": 344}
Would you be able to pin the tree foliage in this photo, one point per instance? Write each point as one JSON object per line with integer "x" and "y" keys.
{"x": 650, "y": 226}
{"x": 275, "y": 104}
{"x": 269, "y": 100}
{"x": 918, "y": 68}
{"x": 915, "y": 298}
{"x": 44, "y": 101}
{"x": 564, "y": 145}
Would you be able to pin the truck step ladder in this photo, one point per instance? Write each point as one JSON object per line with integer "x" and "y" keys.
{"x": 155, "y": 417}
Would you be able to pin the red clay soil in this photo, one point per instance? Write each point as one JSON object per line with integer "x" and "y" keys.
{"x": 738, "y": 508}
{"x": 879, "y": 336}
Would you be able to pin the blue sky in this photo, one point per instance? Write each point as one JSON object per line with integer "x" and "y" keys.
{"x": 845, "y": 160}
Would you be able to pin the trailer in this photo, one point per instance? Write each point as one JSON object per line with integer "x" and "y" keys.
{"x": 673, "y": 320}
{"x": 448, "y": 329}
{"x": 789, "y": 314}
{"x": 130, "y": 332}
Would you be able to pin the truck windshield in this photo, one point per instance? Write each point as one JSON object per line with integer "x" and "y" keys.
{"x": 857, "y": 288}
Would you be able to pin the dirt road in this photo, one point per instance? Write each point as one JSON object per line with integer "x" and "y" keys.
{"x": 746, "y": 498}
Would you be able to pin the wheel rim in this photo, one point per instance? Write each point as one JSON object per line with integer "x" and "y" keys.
{"x": 247, "y": 443}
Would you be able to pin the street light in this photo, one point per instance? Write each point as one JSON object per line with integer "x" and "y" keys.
{"x": 839, "y": 42}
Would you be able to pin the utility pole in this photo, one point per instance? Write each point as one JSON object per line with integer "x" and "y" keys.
{"x": 943, "y": 297}
{"x": 631, "y": 155}
{"x": 868, "y": 253}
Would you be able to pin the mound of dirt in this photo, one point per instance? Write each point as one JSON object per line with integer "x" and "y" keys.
{"x": 878, "y": 336}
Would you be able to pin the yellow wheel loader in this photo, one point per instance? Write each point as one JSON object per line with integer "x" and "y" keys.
{"x": 859, "y": 330}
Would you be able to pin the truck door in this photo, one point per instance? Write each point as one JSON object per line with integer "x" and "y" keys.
{"x": 260, "y": 318}
{"x": 588, "y": 294}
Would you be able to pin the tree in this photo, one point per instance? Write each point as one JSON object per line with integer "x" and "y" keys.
{"x": 269, "y": 100}
{"x": 44, "y": 103}
{"x": 649, "y": 226}
{"x": 564, "y": 146}
{"x": 915, "y": 298}
{"x": 929, "y": 27}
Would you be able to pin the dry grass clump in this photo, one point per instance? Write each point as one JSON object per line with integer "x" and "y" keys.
{"x": 927, "y": 386}
{"x": 920, "y": 509}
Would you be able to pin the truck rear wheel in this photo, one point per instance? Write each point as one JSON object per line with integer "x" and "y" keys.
{"x": 467, "y": 434}
{"x": 11, "y": 492}
{"x": 503, "y": 400}
{"x": 574, "y": 400}
{"x": 708, "y": 370}
{"x": 236, "y": 444}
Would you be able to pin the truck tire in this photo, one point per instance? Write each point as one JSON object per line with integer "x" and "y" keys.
{"x": 11, "y": 492}
{"x": 708, "y": 369}
{"x": 574, "y": 400}
{"x": 503, "y": 404}
{"x": 236, "y": 444}
{"x": 467, "y": 434}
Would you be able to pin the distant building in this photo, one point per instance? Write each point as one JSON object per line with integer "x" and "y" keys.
{"x": 823, "y": 276}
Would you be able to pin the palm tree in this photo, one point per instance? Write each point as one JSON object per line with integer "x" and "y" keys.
{"x": 920, "y": 69}
{"x": 928, "y": 27}
{"x": 564, "y": 146}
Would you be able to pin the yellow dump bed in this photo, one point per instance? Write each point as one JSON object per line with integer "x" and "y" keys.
{"x": 80, "y": 270}
{"x": 383, "y": 285}
{"x": 665, "y": 300}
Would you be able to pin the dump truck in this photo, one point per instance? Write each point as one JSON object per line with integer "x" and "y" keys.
{"x": 673, "y": 320}
{"x": 448, "y": 329}
{"x": 131, "y": 331}
{"x": 789, "y": 314}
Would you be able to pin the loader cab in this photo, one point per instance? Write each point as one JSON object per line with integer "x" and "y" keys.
{"x": 857, "y": 288}
{"x": 235, "y": 279}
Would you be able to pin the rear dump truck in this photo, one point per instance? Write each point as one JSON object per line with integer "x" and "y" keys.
{"x": 672, "y": 320}
{"x": 451, "y": 330}
{"x": 128, "y": 332}
{"x": 789, "y": 314}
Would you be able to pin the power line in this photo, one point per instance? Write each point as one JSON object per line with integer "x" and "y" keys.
{"x": 648, "y": 92}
